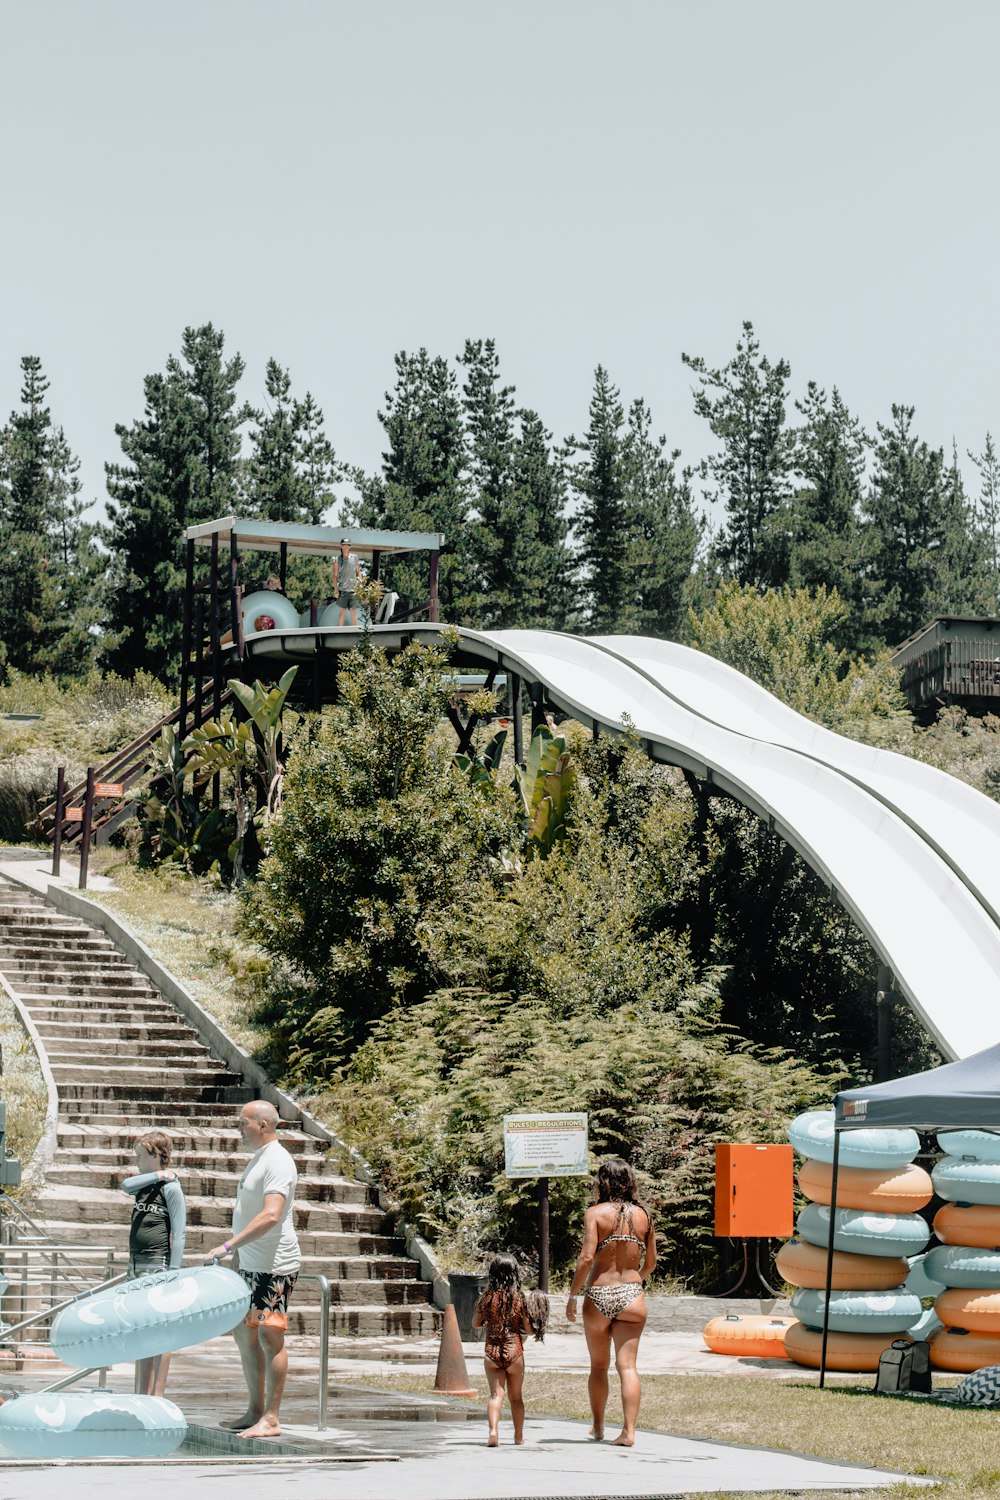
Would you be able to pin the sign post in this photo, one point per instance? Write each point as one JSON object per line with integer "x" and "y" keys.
{"x": 544, "y": 1146}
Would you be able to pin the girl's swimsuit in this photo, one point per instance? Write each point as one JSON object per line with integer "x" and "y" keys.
{"x": 503, "y": 1347}
{"x": 614, "y": 1298}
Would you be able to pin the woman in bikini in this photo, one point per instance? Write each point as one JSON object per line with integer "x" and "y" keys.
{"x": 507, "y": 1314}
{"x": 618, "y": 1253}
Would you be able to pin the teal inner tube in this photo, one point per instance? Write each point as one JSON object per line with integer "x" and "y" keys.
{"x": 975, "y": 1145}
{"x": 91, "y": 1424}
{"x": 812, "y": 1135}
{"x": 858, "y": 1312}
{"x": 963, "y": 1181}
{"x": 150, "y": 1315}
{"x": 964, "y": 1266}
{"x": 863, "y": 1232}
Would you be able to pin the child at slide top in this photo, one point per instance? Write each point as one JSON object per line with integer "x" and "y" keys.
{"x": 156, "y": 1234}
{"x": 507, "y": 1313}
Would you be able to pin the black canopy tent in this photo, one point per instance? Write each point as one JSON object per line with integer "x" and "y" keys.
{"x": 963, "y": 1095}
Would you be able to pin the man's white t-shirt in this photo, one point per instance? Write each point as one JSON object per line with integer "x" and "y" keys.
{"x": 269, "y": 1170}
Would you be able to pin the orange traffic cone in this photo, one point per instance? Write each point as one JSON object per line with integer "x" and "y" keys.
{"x": 452, "y": 1378}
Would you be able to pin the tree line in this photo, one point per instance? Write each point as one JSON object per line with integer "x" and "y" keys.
{"x": 601, "y": 531}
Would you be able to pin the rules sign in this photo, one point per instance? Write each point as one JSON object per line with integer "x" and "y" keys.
{"x": 545, "y": 1145}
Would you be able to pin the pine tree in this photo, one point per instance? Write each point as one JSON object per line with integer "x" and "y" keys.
{"x": 601, "y": 527}
{"x": 744, "y": 405}
{"x": 663, "y": 530}
{"x": 291, "y": 469}
{"x": 181, "y": 467}
{"x": 917, "y": 533}
{"x": 547, "y": 592}
{"x": 421, "y": 486}
{"x": 986, "y": 511}
{"x": 829, "y": 452}
{"x": 490, "y": 433}
{"x": 48, "y": 606}
{"x": 517, "y": 490}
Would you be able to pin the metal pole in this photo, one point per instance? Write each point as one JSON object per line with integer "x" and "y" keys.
{"x": 515, "y": 714}
{"x": 543, "y": 1234}
{"x": 283, "y": 564}
{"x": 57, "y": 834}
{"x": 324, "y": 1349}
{"x": 234, "y": 607}
{"x": 829, "y": 1256}
{"x": 186, "y": 635}
{"x": 883, "y": 1016}
{"x": 434, "y": 612}
{"x": 88, "y": 818}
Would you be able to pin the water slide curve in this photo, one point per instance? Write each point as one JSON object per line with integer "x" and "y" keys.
{"x": 909, "y": 851}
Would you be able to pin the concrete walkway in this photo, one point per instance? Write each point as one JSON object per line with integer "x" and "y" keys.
{"x": 387, "y": 1445}
{"x": 556, "y": 1461}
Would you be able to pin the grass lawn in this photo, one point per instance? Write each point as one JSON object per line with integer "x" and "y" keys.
{"x": 845, "y": 1422}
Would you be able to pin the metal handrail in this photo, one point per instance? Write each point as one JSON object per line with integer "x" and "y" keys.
{"x": 324, "y": 1345}
{"x": 47, "y": 1312}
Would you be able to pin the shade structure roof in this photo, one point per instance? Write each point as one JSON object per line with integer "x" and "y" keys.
{"x": 310, "y": 541}
{"x": 963, "y": 1095}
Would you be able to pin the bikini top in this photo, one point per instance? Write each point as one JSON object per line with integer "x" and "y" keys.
{"x": 624, "y": 1217}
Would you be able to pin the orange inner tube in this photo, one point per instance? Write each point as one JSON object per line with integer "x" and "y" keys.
{"x": 975, "y": 1224}
{"x": 753, "y": 1337}
{"x": 962, "y": 1353}
{"x": 805, "y": 1265}
{"x": 976, "y": 1312}
{"x": 851, "y": 1352}
{"x": 895, "y": 1190}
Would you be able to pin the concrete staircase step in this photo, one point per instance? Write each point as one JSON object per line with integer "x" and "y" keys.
{"x": 320, "y": 1246}
{"x": 145, "y": 1114}
{"x": 78, "y": 1010}
{"x": 210, "y": 1142}
{"x": 208, "y": 1184}
{"x": 108, "y": 1206}
{"x": 160, "y": 1037}
{"x": 184, "y": 1098}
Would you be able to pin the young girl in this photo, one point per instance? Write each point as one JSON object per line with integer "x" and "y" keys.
{"x": 156, "y": 1235}
{"x": 506, "y": 1313}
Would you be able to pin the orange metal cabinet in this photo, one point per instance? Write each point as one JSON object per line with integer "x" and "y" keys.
{"x": 753, "y": 1191}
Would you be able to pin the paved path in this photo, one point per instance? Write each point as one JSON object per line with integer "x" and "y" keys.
{"x": 556, "y": 1461}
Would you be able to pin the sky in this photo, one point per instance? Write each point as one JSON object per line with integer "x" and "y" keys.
{"x": 330, "y": 181}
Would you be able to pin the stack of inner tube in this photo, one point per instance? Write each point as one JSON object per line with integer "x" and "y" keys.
{"x": 877, "y": 1229}
{"x": 968, "y": 1260}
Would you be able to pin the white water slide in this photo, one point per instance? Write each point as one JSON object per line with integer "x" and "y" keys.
{"x": 911, "y": 853}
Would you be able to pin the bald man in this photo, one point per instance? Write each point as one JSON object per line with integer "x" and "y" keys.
{"x": 267, "y": 1256}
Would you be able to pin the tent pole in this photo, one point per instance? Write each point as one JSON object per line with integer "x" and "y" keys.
{"x": 829, "y": 1256}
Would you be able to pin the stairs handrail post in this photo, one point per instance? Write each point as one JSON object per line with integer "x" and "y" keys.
{"x": 88, "y": 819}
{"x": 58, "y": 830}
{"x": 324, "y": 1345}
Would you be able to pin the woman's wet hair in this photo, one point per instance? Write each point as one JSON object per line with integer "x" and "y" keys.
{"x": 616, "y": 1181}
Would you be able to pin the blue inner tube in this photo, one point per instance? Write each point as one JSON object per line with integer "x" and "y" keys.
{"x": 150, "y": 1315}
{"x": 963, "y": 1181}
{"x": 269, "y": 604}
{"x": 91, "y": 1424}
{"x": 858, "y": 1312}
{"x": 963, "y": 1266}
{"x": 920, "y": 1281}
{"x": 976, "y": 1145}
{"x": 863, "y": 1232}
{"x": 812, "y": 1135}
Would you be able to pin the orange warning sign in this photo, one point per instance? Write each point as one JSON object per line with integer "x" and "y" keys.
{"x": 108, "y": 788}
